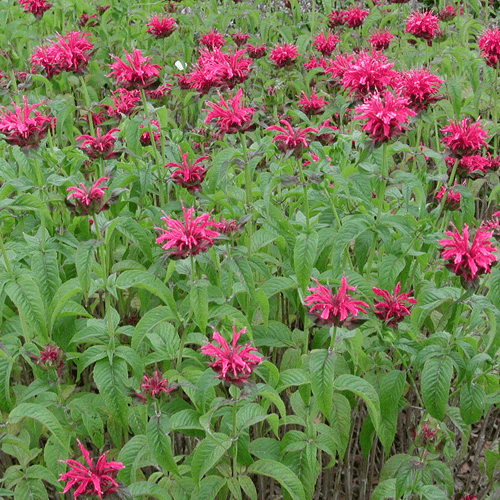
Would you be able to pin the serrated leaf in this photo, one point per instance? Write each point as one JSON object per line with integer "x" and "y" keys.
{"x": 209, "y": 488}
{"x": 65, "y": 292}
{"x": 388, "y": 271}
{"x": 294, "y": 376}
{"x": 321, "y": 366}
{"x": 436, "y": 379}
{"x": 45, "y": 270}
{"x": 148, "y": 323}
{"x": 6, "y": 365}
{"x": 208, "y": 454}
{"x": 160, "y": 444}
{"x": 142, "y": 489}
{"x": 248, "y": 487}
{"x": 340, "y": 422}
{"x": 472, "y": 402}
{"x": 198, "y": 298}
{"x": 137, "y": 234}
{"x": 385, "y": 490}
{"x": 131, "y": 455}
{"x": 84, "y": 259}
{"x": 391, "y": 390}
{"x": 304, "y": 255}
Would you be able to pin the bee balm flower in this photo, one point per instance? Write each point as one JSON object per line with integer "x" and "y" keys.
{"x": 36, "y": 7}
{"x": 189, "y": 175}
{"x": 464, "y": 137}
{"x": 88, "y": 202}
{"x": 392, "y": 309}
{"x": 161, "y": 27}
{"x": 136, "y": 72}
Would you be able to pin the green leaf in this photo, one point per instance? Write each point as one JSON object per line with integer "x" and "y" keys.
{"x": 385, "y": 490}
{"x": 455, "y": 91}
{"x": 340, "y": 422}
{"x": 198, "y": 298}
{"x": 65, "y": 292}
{"x": 280, "y": 473}
{"x": 436, "y": 379}
{"x": 472, "y": 402}
{"x": 84, "y": 259}
{"x": 276, "y": 284}
{"x": 321, "y": 366}
{"x": 389, "y": 270}
{"x": 137, "y": 234}
{"x": 6, "y": 365}
{"x": 143, "y": 489}
{"x": 165, "y": 341}
{"x": 304, "y": 255}
{"x": 391, "y": 390}
{"x": 208, "y": 454}
{"x": 432, "y": 492}
{"x": 160, "y": 443}
{"x": 149, "y": 323}
{"x": 364, "y": 390}
{"x": 294, "y": 376}
{"x": 131, "y": 456}
{"x": 248, "y": 487}
{"x": 45, "y": 270}
{"x": 273, "y": 334}
{"x": 209, "y": 488}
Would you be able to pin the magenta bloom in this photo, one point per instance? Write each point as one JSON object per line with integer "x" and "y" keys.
{"x": 25, "y": 126}
{"x": 49, "y": 358}
{"x": 161, "y": 27}
{"x": 290, "y": 138}
{"x": 313, "y": 105}
{"x": 124, "y": 102}
{"x": 240, "y": 38}
{"x": 145, "y": 137}
{"x": 36, "y": 7}
{"x": 452, "y": 198}
{"x": 337, "y": 18}
{"x": 232, "y": 364}
{"x": 334, "y": 309}
{"x": 101, "y": 146}
{"x": 355, "y": 17}
{"x": 188, "y": 238}
{"x": 447, "y": 14}
{"x": 325, "y": 43}
{"x": 189, "y": 175}
{"x": 463, "y": 137}
{"x": 284, "y": 55}
{"x": 380, "y": 40}
{"x": 256, "y": 51}
{"x": 468, "y": 260}
{"x": 212, "y": 40}
{"x": 422, "y": 25}
{"x": 392, "y": 309}
{"x": 420, "y": 87}
{"x": 136, "y": 72}
{"x": 472, "y": 166}
{"x": 489, "y": 43}
{"x": 88, "y": 202}
{"x": 230, "y": 115}
{"x": 91, "y": 480}
{"x": 385, "y": 115}
{"x": 156, "y": 384}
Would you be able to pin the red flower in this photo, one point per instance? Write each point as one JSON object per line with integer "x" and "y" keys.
{"x": 232, "y": 364}
{"x": 447, "y": 14}
{"x": 188, "y": 238}
{"x": 36, "y": 7}
{"x": 91, "y": 480}
{"x": 392, "y": 309}
{"x": 256, "y": 51}
{"x": 336, "y": 18}
{"x": 155, "y": 385}
{"x": 326, "y": 132}
{"x": 338, "y": 66}
{"x": 240, "y": 38}
{"x": 284, "y": 55}
{"x": 422, "y": 25}
{"x": 145, "y": 137}
{"x": 452, "y": 200}
{"x": 21, "y": 129}
{"x": 420, "y": 87}
{"x": 212, "y": 40}
{"x": 50, "y": 358}
{"x": 189, "y": 175}
{"x": 472, "y": 166}
{"x": 315, "y": 63}
{"x": 88, "y": 21}
{"x": 291, "y": 138}
{"x": 386, "y": 115}
{"x": 355, "y": 17}
{"x": 313, "y": 105}
{"x": 463, "y": 137}
{"x": 469, "y": 497}
{"x": 161, "y": 27}
{"x": 489, "y": 43}
{"x": 231, "y": 117}
{"x": 334, "y": 309}
{"x": 101, "y": 146}
{"x": 325, "y": 43}
{"x": 229, "y": 227}
{"x": 468, "y": 260}
{"x": 380, "y": 40}
{"x": 124, "y": 102}
{"x": 88, "y": 202}
{"x": 159, "y": 92}
{"x": 138, "y": 73}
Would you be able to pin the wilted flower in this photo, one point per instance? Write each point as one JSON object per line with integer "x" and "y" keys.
{"x": 156, "y": 384}
{"x": 290, "y": 138}
{"x": 313, "y": 105}
{"x": 21, "y": 129}
{"x": 380, "y": 40}
{"x": 422, "y": 25}
{"x": 145, "y": 137}
{"x": 240, "y": 38}
{"x": 489, "y": 43}
{"x": 232, "y": 364}
{"x": 36, "y": 7}
{"x": 50, "y": 358}
{"x": 334, "y": 309}
{"x": 386, "y": 115}
{"x": 230, "y": 115}
{"x": 88, "y": 202}
{"x": 124, "y": 102}
{"x": 189, "y": 238}
{"x": 228, "y": 227}
{"x": 464, "y": 137}
{"x": 284, "y": 55}
{"x": 136, "y": 72}
{"x": 256, "y": 51}
{"x": 392, "y": 309}
{"x": 420, "y": 87}
{"x": 101, "y": 146}
{"x": 161, "y": 27}
{"x": 189, "y": 175}
{"x": 355, "y": 17}
{"x": 91, "y": 480}
{"x": 468, "y": 260}
{"x": 212, "y": 40}
{"x": 325, "y": 43}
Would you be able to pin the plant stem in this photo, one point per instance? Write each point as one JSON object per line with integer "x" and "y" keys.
{"x": 304, "y": 188}
{"x": 236, "y": 392}
{"x": 385, "y": 173}
{"x": 334, "y": 336}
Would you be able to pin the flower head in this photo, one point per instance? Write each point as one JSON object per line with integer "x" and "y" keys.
{"x": 290, "y": 138}
{"x": 240, "y": 38}
{"x": 422, "y": 25}
{"x": 451, "y": 197}
{"x": 284, "y": 55}
{"x": 464, "y": 137}
{"x": 386, "y": 115}
{"x": 50, "y": 358}
{"x": 88, "y": 21}
{"x": 472, "y": 166}
{"x": 189, "y": 175}
{"x": 325, "y": 43}
{"x": 392, "y": 309}
{"x": 235, "y": 363}
{"x": 145, "y": 137}
{"x": 355, "y": 17}
{"x": 101, "y": 146}
{"x": 190, "y": 237}
{"x": 36, "y": 7}
{"x": 91, "y": 480}
{"x": 25, "y": 126}
{"x": 256, "y": 51}
{"x": 230, "y": 115}
{"x": 159, "y": 92}
{"x": 420, "y": 87}
{"x": 124, "y": 102}
{"x": 465, "y": 259}
{"x": 313, "y": 105}
{"x": 88, "y": 202}
{"x": 447, "y": 13}
{"x": 212, "y": 40}
{"x": 334, "y": 309}
{"x": 380, "y": 40}
{"x": 161, "y": 27}
{"x": 337, "y": 18}
{"x": 156, "y": 384}
{"x": 489, "y": 43}
{"x": 136, "y": 72}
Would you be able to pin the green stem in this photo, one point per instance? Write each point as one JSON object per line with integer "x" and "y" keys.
{"x": 304, "y": 188}
{"x": 234, "y": 433}
{"x": 248, "y": 188}
{"x": 88, "y": 104}
{"x": 334, "y": 336}
{"x": 385, "y": 173}
{"x": 6, "y": 261}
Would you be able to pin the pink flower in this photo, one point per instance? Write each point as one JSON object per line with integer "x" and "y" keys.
{"x": 229, "y": 227}
{"x": 463, "y": 137}
{"x": 284, "y": 55}
{"x": 240, "y": 38}
{"x": 333, "y": 309}
{"x": 489, "y": 43}
{"x": 88, "y": 202}
{"x": 337, "y": 67}
{"x": 188, "y": 238}
{"x": 337, "y": 18}
{"x": 326, "y": 132}
{"x": 145, "y": 137}
{"x": 36, "y": 7}
{"x": 159, "y": 92}
{"x": 230, "y": 115}
{"x": 420, "y": 87}
{"x": 422, "y": 25}
{"x": 447, "y": 14}
{"x": 25, "y": 126}
{"x": 468, "y": 260}
{"x": 355, "y": 17}
{"x": 256, "y": 51}
{"x": 101, "y": 146}
{"x": 189, "y": 175}
{"x": 91, "y": 480}
{"x": 386, "y": 115}
{"x": 313, "y": 62}
{"x": 290, "y": 138}
{"x": 136, "y": 72}
{"x": 232, "y": 364}
{"x": 325, "y": 43}
{"x": 452, "y": 198}
{"x": 469, "y": 497}
{"x": 392, "y": 309}
{"x": 50, "y": 358}
{"x": 161, "y": 27}
{"x": 88, "y": 21}
{"x": 156, "y": 384}
{"x": 313, "y": 105}
{"x": 380, "y": 40}
{"x": 124, "y": 102}
{"x": 472, "y": 166}
{"x": 212, "y": 40}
